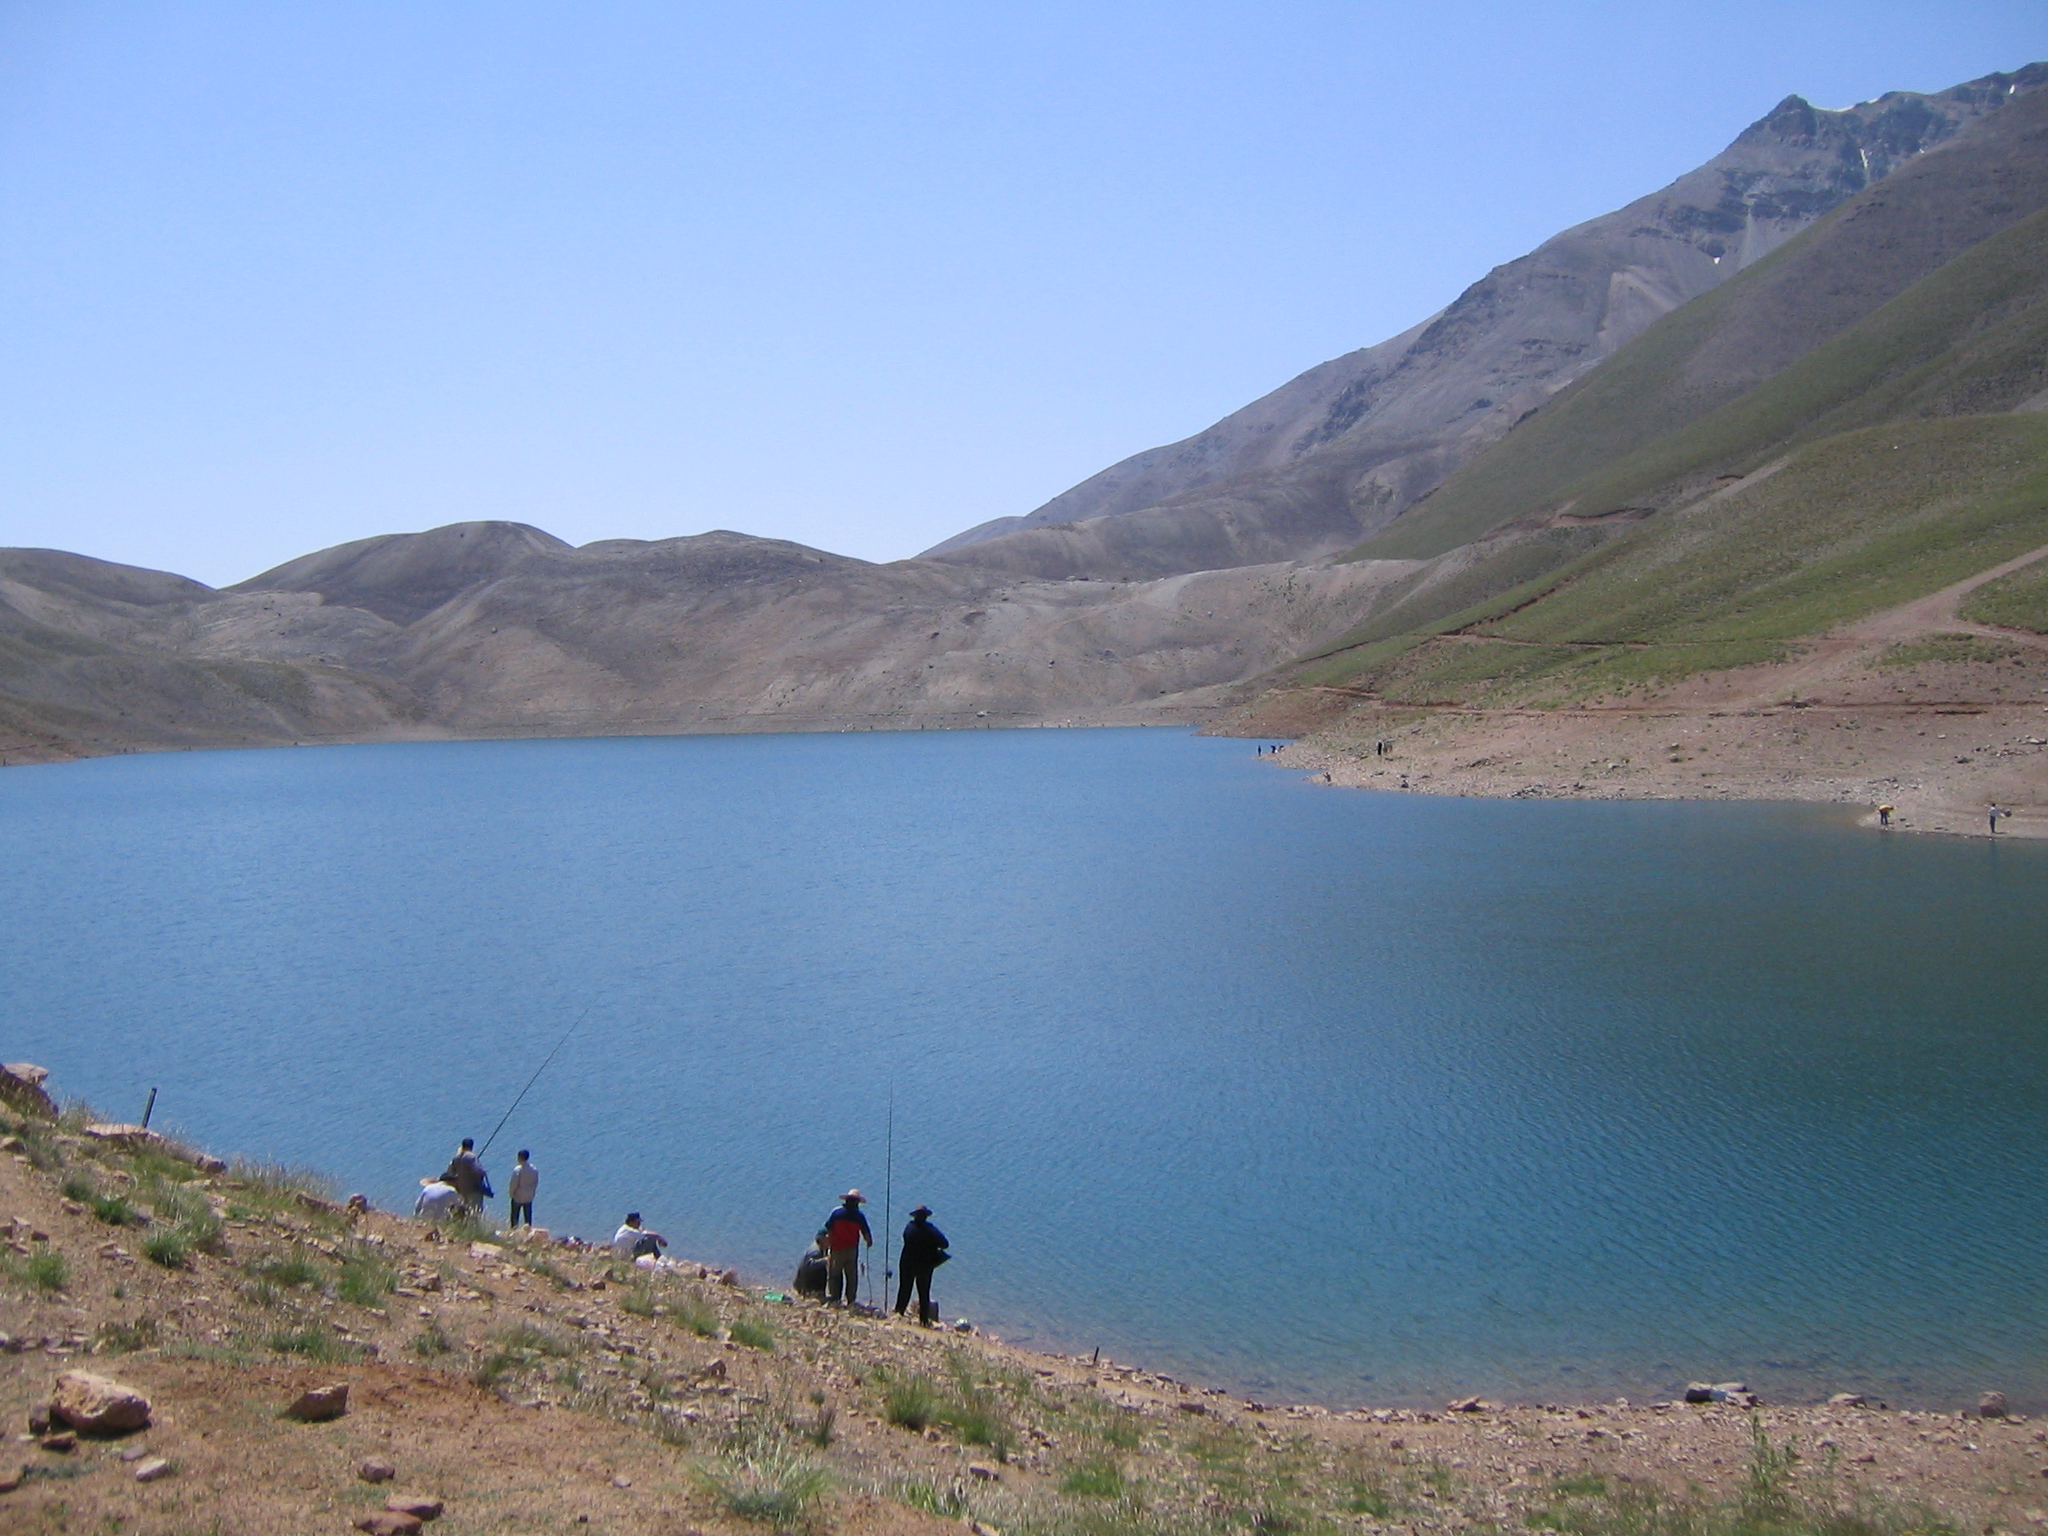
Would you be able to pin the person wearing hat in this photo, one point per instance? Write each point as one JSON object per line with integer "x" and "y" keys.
{"x": 924, "y": 1250}
{"x": 845, "y": 1230}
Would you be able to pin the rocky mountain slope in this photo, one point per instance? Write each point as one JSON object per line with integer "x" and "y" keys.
{"x": 1750, "y": 511}
{"x": 1347, "y": 447}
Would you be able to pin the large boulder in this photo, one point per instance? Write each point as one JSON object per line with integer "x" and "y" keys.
{"x": 98, "y": 1405}
{"x": 21, "y": 1085}
{"x": 319, "y": 1404}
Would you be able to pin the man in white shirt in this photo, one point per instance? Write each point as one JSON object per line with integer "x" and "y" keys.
{"x": 632, "y": 1240}
{"x": 437, "y": 1202}
{"x": 525, "y": 1180}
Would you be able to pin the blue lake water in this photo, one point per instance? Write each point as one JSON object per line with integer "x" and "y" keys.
{"x": 1315, "y": 1094}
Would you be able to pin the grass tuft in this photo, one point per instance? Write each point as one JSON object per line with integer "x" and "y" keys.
{"x": 775, "y": 1486}
{"x": 753, "y": 1333}
{"x": 125, "y": 1338}
{"x": 314, "y": 1342}
{"x": 169, "y": 1247}
{"x": 911, "y": 1403}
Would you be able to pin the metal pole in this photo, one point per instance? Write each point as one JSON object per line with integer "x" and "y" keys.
{"x": 888, "y": 1197}
{"x": 149, "y": 1109}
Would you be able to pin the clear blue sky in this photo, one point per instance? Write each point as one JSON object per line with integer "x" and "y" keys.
{"x": 277, "y": 276}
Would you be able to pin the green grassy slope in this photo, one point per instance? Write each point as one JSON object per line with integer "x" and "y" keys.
{"x": 1629, "y": 433}
{"x": 1855, "y": 523}
{"x": 1972, "y": 336}
{"x": 2018, "y": 601}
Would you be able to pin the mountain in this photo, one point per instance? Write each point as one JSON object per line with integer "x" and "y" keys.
{"x": 501, "y": 629}
{"x": 1347, "y": 447}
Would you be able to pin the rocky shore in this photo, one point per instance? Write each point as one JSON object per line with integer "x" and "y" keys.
{"x": 303, "y": 1367}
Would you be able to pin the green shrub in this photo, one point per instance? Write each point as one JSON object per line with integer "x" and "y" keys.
{"x": 125, "y": 1338}
{"x": 638, "y": 1300}
{"x": 753, "y": 1333}
{"x": 432, "y": 1341}
{"x": 366, "y": 1279}
{"x": 531, "y": 1338}
{"x": 690, "y": 1310}
{"x": 775, "y": 1486}
{"x": 314, "y": 1342}
{"x": 168, "y": 1246}
{"x": 45, "y": 1269}
{"x": 1102, "y": 1477}
{"x": 293, "y": 1271}
{"x": 911, "y": 1403}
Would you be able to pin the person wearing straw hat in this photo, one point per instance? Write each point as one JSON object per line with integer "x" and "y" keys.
{"x": 924, "y": 1250}
{"x": 845, "y": 1230}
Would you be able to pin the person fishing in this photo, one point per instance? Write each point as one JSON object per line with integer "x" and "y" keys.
{"x": 845, "y": 1230}
{"x": 466, "y": 1172}
{"x": 525, "y": 1182}
{"x": 924, "y": 1250}
{"x": 810, "y": 1269}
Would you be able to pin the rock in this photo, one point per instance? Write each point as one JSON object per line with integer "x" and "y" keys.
{"x": 21, "y": 1085}
{"x": 122, "y": 1135}
{"x": 149, "y": 1470}
{"x": 63, "y": 1442}
{"x": 134, "y": 1452}
{"x": 622, "y": 1481}
{"x": 319, "y": 1404}
{"x": 1848, "y": 1400}
{"x": 99, "y": 1405}
{"x": 11, "y": 1478}
{"x": 977, "y": 1527}
{"x": 984, "y": 1471}
{"x": 207, "y": 1165}
{"x": 1466, "y": 1405}
{"x": 388, "y": 1522}
{"x": 39, "y": 1419}
{"x": 375, "y": 1471}
{"x": 1992, "y": 1405}
{"x": 419, "y": 1509}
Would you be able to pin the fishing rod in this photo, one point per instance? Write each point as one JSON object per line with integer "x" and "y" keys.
{"x": 888, "y": 1195}
{"x": 480, "y": 1151}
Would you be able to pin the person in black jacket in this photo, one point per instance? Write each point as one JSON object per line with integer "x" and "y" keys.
{"x": 924, "y": 1250}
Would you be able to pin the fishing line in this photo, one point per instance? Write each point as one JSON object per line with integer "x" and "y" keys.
{"x": 480, "y": 1151}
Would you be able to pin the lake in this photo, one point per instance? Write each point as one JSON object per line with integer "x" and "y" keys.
{"x": 1316, "y": 1094}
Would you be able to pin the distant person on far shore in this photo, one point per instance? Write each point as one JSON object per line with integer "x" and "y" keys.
{"x": 845, "y": 1230}
{"x": 632, "y": 1240}
{"x": 525, "y": 1180}
{"x": 924, "y": 1250}
{"x": 1995, "y": 814}
{"x": 1884, "y": 816}
{"x": 466, "y": 1172}
{"x": 438, "y": 1201}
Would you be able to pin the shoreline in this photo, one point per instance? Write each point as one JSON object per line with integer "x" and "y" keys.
{"x": 531, "y": 1385}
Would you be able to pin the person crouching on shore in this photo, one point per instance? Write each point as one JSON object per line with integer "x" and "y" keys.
{"x": 633, "y": 1240}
